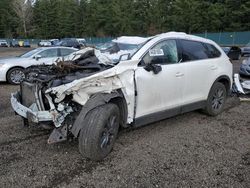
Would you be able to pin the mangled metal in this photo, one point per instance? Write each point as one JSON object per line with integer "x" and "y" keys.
{"x": 65, "y": 87}
{"x": 242, "y": 87}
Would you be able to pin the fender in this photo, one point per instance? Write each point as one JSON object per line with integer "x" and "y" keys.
{"x": 226, "y": 81}
{"x": 96, "y": 100}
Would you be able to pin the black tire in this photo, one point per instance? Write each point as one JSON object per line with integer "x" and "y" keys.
{"x": 99, "y": 132}
{"x": 216, "y": 99}
{"x": 15, "y": 75}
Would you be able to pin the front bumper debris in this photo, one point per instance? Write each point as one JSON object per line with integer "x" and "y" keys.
{"x": 28, "y": 113}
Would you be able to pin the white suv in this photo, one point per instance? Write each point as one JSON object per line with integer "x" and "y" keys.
{"x": 91, "y": 98}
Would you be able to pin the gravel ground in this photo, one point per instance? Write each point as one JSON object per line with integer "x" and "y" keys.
{"x": 190, "y": 150}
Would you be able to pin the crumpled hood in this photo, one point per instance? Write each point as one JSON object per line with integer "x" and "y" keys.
{"x": 103, "y": 82}
{"x": 97, "y": 80}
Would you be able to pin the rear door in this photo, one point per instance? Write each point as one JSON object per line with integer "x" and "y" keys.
{"x": 200, "y": 71}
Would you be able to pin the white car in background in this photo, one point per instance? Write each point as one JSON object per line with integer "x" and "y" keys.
{"x": 45, "y": 43}
{"x": 121, "y": 46}
{"x": 12, "y": 68}
{"x": 3, "y": 43}
{"x": 81, "y": 41}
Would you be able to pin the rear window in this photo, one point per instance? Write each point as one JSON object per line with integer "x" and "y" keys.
{"x": 193, "y": 50}
{"x": 213, "y": 51}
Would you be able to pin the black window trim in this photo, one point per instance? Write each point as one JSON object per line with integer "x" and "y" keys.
{"x": 203, "y": 44}
{"x": 162, "y": 40}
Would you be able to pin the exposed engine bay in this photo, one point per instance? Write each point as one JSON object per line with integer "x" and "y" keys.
{"x": 64, "y": 72}
{"x": 38, "y": 79}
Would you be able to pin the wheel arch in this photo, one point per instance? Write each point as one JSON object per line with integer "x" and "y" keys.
{"x": 226, "y": 81}
{"x": 11, "y": 69}
{"x": 100, "y": 99}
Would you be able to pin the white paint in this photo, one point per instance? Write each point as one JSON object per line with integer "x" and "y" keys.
{"x": 130, "y": 40}
{"x": 238, "y": 84}
{"x": 176, "y": 85}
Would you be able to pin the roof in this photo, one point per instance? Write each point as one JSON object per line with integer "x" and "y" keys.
{"x": 184, "y": 36}
{"x": 130, "y": 40}
{"x": 45, "y": 48}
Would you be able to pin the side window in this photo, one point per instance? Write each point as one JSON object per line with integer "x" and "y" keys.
{"x": 65, "y": 52}
{"x": 192, "y": 50}
{"x": 49, "y": 53}
{"x": 163, "y": 53}
{"x": 213, "y": 51}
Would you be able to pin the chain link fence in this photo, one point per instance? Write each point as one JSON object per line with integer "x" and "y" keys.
{"x": 228, "y": 38}
{"x": 222, "y": 38}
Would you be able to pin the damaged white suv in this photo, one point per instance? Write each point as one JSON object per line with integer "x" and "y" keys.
{"x": 91, "y": 96}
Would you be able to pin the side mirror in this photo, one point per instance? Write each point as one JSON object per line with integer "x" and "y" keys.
{"x": 156, "y": 68}
{"x": 124, "y": 57}
{"x": 37, "y": 57}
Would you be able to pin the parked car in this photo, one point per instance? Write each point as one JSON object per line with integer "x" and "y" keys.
{"x": 246, "y": 50}
{"x": 44, "y": 43}
{"x": 69, "y": 42}
{"x": 14, "y": 43}
{"x": 12, "y": 69}
{"x": 245, "y": 67}
{"x": 91, "y": 96}
{"x": 81, "y": 41}
{"x": 121, "y": 45}
{"x": 233, "y": 52}
{"x": 20, "y": 43}
{"x": 3, "y": 43}
{"x": 26, "y": 44}
{"x": 54, "y": 42}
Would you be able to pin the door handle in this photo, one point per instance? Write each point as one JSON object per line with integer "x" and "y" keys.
{"x": 214, "y": 67}
{"x": 179, "y": 74}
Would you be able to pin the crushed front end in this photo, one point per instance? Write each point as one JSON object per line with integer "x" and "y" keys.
{"x": 34, "y": 104}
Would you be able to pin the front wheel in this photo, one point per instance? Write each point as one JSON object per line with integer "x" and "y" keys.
{"x": 15, "y": 75}
{"x": 99, "y": 132}
{"x": 216, "y": 99}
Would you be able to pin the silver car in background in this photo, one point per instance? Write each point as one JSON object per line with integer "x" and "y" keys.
{"x": 246, "y": 50}
{"x": 245, "y": 67}
{"x": 12, "y": 68}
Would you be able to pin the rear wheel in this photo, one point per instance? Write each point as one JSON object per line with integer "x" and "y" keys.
{"x": 216, "y": 99}
{"x": 99, "y": 132}
{"x": 15, "y": 75}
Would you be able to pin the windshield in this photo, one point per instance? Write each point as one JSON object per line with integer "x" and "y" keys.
{"x": 115, "y": 50}
{"x": 128, "y": 46}
{"x": 114, "y": 47}
{"x": 30, "y": 53}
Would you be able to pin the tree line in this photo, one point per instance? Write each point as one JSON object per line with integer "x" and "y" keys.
{"x": 81, "y": 18}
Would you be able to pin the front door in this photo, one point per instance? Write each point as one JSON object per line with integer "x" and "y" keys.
{"x": 159, "y": 93}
